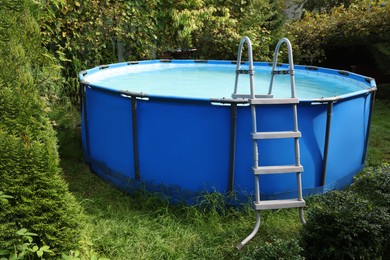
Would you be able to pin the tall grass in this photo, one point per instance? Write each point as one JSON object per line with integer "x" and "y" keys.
{"x": 143, "y": 226}
{"x": 379, "y": 140}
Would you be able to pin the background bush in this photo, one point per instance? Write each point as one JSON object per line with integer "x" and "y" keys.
{"x": 86, "y": 33}
{"x": 342, "y": 225}
{"x": 29, "y": 162}
{"x": 344, "y": 34}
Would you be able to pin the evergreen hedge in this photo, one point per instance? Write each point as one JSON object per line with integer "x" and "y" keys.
{"x": 29, "y": 161}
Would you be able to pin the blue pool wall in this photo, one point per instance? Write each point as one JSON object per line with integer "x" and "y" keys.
{"x": 184, "y": 145}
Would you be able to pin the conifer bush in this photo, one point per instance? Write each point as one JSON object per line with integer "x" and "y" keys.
{"x": 39, "y": 200}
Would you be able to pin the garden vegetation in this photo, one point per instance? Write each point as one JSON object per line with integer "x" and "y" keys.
{"x": 44, "y": 44}
{"x": 38, "y": 198}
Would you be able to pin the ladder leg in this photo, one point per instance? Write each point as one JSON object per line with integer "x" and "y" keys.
{"x": 240, "y": 245}
{"x": 301, "y": 216}
{"x": 300, "y": 197}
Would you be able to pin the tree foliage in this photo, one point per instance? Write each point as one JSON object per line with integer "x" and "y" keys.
{"x": 325, "y": 5}
{"x": 363, "y": 23}
{"x": 29, "y": 162}
{"x": 87, "y": 33}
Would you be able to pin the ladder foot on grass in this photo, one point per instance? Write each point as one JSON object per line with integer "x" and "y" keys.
{"x": 302, "y": 216}
{"x": 240, "y": 245}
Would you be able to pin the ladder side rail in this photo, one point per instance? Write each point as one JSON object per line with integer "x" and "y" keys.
{"x": 297, "y": 153}
{"x": 274, "y": 63}
{"x": 254, "y": 120}
{"x": 295, "y": 116}
{"x": 246, "y": 40}
{"x": 238, "y": 67}
{"x": 254, "y": 130}
{"x": 291, "y": 65}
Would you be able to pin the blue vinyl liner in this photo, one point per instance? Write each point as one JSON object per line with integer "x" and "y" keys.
{"x": 184, "y": 145}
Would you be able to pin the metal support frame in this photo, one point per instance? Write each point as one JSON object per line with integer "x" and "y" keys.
{"x": 83, "y": 93}
{"x": 135, "y": 137}
{"x": 326, "y": 145}
{"x": 233, "y": 134}
{"x": 372, "y": 102}
{"x": 232, "y": 153}
{"x": 127, "y": 94}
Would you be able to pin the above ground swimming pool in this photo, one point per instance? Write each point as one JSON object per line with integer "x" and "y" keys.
{"x": 171, "y": 126}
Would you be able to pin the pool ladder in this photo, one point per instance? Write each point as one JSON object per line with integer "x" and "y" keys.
{"x": 255, "y": 100}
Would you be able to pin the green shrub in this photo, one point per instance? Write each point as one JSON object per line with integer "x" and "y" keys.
{"x": 325, "y": 5}
{"x": 25, "y": 248}
{"x": 84, "y": 34}
{"x": 374, "y": 185}
{"x": 281, "y": 249}
{"x": 29, "y": 161}
{"x": 359, "y": 24}
{"x": 342, "y": 225}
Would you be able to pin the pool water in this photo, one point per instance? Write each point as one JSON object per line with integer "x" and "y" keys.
{"x": 200, "y": 81}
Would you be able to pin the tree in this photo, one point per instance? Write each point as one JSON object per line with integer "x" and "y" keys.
{"x": 29, "y": 162}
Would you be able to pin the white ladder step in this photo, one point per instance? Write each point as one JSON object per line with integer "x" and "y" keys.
{"x": 280, "y": 204}
{"x": 277, "y": 169}
{"x": 273, "y": 101}
{"x": 276, "y": 134}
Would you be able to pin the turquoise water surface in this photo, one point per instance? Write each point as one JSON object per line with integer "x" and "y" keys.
{"x": 194, "y": 80}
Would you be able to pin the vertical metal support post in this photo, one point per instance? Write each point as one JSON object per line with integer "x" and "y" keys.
{"x": 327, "y": 138}
{"x": 232, "y": 155}
{"x": 83, "y": 92}
{"x": 372, "y": 101}
{"x": 135, "y": 137}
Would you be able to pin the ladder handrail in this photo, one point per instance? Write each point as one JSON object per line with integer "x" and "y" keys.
{"x": 290, "y": 62}
{"x": 292, "y": 82}
{"x": 251, "y": 72}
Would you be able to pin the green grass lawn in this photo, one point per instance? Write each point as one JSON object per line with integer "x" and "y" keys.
{"x": 379, "y": 142}
{"x": 142, "y": 226}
